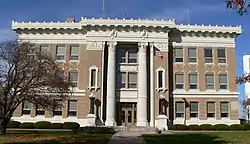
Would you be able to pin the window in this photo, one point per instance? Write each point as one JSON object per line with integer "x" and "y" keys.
{"x": 44, "y": 48}
{"x": 127, "y": 80}
{"x": 122, "y": 80}
{"x": 209, "y": 81}
{"x": 193, "y": 109}
{"x": 132, "y": 56}
{"x": 60, "y": 52}
{"x": 58, "y": 110}
{"x": 221, "y": 55}
{"x": 61, "y": 73}
{"x": 74, "y": 52}
{"x": 208, "y": 54}
{"x": 223, "y": 81}
{"x": 26, "y": 109}
{"x": 180, "y": 109}
{"x": 210, "y": 109}
{"x": 179, "y": 83}
{"x": 192, "y": 80}
{"x": 132, "y": 80}
{"x": 160, "y": 79}
{"x": 93, "y": 77}
{"x": 39, "y": 110}
{"x": 72, "y": 108}
{"x": 178, "y": 55}
{"x": 224, "y": 109}
{"x": 73, "y": 78}
{"x": 192, "y": 55}
{"x": 127, "y": 55}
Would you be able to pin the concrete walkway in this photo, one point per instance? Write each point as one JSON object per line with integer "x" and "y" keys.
{"x": 127, "y": 137}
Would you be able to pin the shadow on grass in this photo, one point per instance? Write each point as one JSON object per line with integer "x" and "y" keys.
{"x": 183, "y": 139}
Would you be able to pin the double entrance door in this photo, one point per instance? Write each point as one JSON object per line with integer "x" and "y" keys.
{"x": 126, "y": 113}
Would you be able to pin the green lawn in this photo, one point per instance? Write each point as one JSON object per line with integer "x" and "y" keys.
{"x": 200, "y": 138}
{"x": 52, "y": 137}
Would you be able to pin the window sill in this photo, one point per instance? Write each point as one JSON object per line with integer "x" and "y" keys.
{"x": 224, "y": 90}
{"x": 74, "y": 61}
{"x": 209, "y": 64}
{"x": 125, "y": 89}
{"x": 72, "y": 117}
{"x": 129, "y": 64}
{"x": 93, "y": 88}
{"x": 64, "y": 61}
{"x": 210, "y": 90}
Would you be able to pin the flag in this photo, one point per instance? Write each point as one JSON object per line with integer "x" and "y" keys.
{"x": 157, "y": 52}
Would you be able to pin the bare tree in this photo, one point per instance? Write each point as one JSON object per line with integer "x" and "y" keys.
{"x": 241, "y": 6}
{"x": 30, "y": 74}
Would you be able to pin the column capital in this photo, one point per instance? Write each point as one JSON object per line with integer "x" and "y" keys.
{"x": 142, "y": 46}
{"x": 111, "y": 45}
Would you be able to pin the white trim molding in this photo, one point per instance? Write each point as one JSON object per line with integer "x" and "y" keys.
{"x": 163, "y": 88}
{"x": 95, "y": 87}
{"x": 204, "y": 94}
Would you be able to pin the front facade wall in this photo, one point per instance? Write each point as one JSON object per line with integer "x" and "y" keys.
{"x": 92, "y": 56}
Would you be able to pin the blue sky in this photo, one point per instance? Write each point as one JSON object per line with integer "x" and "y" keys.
{"x": 200, "y": 12}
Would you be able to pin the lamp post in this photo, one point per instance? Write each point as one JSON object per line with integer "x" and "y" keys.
{"x": 92, "y": 103}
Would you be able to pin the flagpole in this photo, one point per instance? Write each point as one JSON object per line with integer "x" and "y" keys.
{"x": 188, "y": 17}
{"x": 103, "y": 8}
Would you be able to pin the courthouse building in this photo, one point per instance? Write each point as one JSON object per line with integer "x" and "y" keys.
{"x": 139, "y": 69}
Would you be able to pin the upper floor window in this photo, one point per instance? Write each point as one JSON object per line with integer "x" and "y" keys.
{"x": 178, "y": 55}
{"x": 210, "y": 109}
{"x": 209, "y": 79}
{"x": 93, "y": 76}
{"x": 221, "y": 55}
{"x": 44, "y": 48}
{"x": 60, "y": 52}
{"x": 73, "y": 78}
{"x": 224, "y": 109}
{"x": 72, "y": 108}
{"x": 179, "y": 109}
{"x": 208, "y": 54}
{"x": 127, "y": 80}
{"x": 192, "y": 55}
{"x": 127, "y": 55}
{"x": 193, "y": 80}
{"x": 26, "y": 108}
{"x": 179, "y": 82}
{"x": 193, "y": 109}
{"x": 74, "y": 52}
{"x": 223, "y": 80}
{"x": 160, "y": 77}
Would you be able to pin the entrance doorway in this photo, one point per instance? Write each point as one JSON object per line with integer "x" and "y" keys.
{"x": 129, "y": 110}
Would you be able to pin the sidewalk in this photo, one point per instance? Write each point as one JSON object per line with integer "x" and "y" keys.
{"x": 127, "y": 137}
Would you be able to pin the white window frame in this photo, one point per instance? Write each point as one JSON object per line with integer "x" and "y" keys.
{"x": 183, "y": 86}
{"x": 77, "y": 78}
{"x": 78, "y": 55}
{"x": 223, "y": 84}
{"x": 192, "y": 57}
{"x": 221, "y": 58}
{"x": 193, "y": 83}
{"x": 72, "y": 110}
{"x": 160, "y": 69}
{"x": 214, "y": 113}
{"x": 40, "y": 109}
{"x": 194, "y": 112}
{"x": 179, "y": 57}
{"x": 209, "y": 73}
{"x": 128, "y": 83}
{"x": 26, "y": 109}
{"x": 90, "y": 77}
{"x": 176, "y": 112}
{"x": 206, "y": 59}
{"x": 228, "y": 112}
{"x": 61, "y": 45}
{"x": 60, "y": 109}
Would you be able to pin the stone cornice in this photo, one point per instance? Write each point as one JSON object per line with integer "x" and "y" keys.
{"x": 209, "y": 29}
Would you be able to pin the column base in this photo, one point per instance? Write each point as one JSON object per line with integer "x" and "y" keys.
{"x": 91, "y": 120}
{"x": 151, "y": 124}
{"x": 142, "y": 123}
{"x": 110, "y": 123}
{"x": 162, "y": 122}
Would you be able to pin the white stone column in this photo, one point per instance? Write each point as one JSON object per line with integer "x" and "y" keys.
{"x": 111, "y": 81}
{"x": 152, "y": 100}
{"x": 142, "y": 86}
